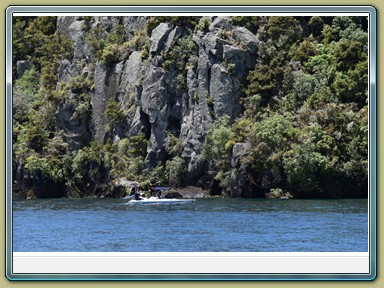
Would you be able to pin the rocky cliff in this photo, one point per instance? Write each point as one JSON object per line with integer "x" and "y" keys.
{"x": 137, "y": 97}
{"x": 179, "y": 101}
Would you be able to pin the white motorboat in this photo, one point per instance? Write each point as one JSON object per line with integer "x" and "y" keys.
{"x": 155, "y": 201}
{"x": 137, "y": 199}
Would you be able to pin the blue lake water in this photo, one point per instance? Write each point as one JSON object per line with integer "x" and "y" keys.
{"x": 207, "y": 225}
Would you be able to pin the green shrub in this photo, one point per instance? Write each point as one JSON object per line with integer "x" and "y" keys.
{"x": 36, "y": 136}
{"x": 178, "y": 55}
{"x": 209, "y": 101}
{"x": 174, "y": 145}
{"x": 218, "y": 148}
{"x": 284, "y": 26}
{"x": 117, "y": 35}
{"x": 79, "y": 84}
{"x": 113, "y": 114}
{"x": 82, "y": 112}
{"x": 159, "y": 173}
{"x": 182, "y": 21}
{"x": 252, "y": 23}
{"x": 138, "y": 145}
{"x": 175, "y": 171}
{"x": 109, "y": 55}
{"x": 304, "y": 166}
{"x": 96, "y": 38}
{"x": 316, "y": 24}
{"x": 204, "y": 25}
{"x": 26, "y": 95}
{"x": 195, "y": 96}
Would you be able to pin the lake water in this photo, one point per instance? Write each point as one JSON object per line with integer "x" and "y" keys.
{"x": 207, "y": 225}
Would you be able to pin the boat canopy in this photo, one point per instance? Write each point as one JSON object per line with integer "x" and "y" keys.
{"x": 161, "y": 188}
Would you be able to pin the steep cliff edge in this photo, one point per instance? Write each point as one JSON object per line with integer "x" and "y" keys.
{"x": 146, "y": 97}
{"x": 179, "y": 98}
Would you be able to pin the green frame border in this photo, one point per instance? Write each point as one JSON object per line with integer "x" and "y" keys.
{"x": 206, "y": 9}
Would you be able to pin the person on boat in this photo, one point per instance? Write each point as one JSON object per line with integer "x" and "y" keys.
{"x": 153, "y": 182}
{"x": 135, "y": 193}
{"x": 137, "y": 196}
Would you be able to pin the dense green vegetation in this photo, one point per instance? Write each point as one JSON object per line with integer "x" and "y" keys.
{"x": 305, "y": 108}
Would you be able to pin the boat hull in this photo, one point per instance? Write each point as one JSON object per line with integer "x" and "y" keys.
{"x": 156, "y": 201}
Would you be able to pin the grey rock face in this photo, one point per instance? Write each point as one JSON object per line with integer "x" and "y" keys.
{"x": 22, "y": 66}
{"x": 99, "y": 102}
{"x": 223, "y": 22}
{"x": 150, "y": 98}
{"x": 63, "y": 23}
{"x": 105, "y": 81}
{"x": 188, "y": 116}
{"x": 197, "y": 118}
{"x": 210, "y": 45}
{"x": 76, "y": 33}
{"x": 106, "y": 22}
{"x": 242, "y": 60}
{"x": 156, "y": 103}
{"x": 139, "y": 123}
{"x": 75, "y": 132}
{"x": 67, "y": 70}
{"x": 242, "y": 34}
{"x": 214, "y": 88}
{"x": 153, "y": 97}
{"x": 239, "y": 151}
{"x": 64, "y": 70}
{"x": 159, "y": 37}
{"x": 221, "y": 89}
{"x": 129, "y": 93}
{"x": 132, "y": 73}
{"x": 241, "y": 184}
{"x": 133, "y": 24}
{"x": 176, "y": 32}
